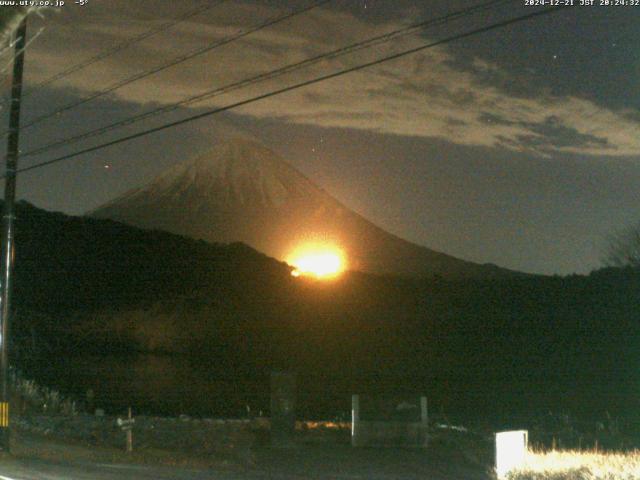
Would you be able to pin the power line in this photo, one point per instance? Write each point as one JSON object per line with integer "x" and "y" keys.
{"x": 174, "y": 62}
{"x": 269, "y": 75}
{"x": 296, "y": 86}
{"x": 121, "y": 46}
{"x": 27, "y": 45}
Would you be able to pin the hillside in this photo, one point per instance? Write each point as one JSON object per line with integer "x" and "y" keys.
{"x": 96, "y": 286}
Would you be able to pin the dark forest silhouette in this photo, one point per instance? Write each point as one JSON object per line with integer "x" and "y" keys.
{"x": 96, "y": 286}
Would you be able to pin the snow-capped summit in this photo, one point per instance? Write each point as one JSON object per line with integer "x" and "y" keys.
{"x": 242, "y": 191}
{"x": 235, "y": 172}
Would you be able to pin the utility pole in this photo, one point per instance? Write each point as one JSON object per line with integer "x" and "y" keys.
{"x": 7, "y": 230}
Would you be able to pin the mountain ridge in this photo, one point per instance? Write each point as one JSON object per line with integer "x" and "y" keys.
{"x": 242, "y": 191}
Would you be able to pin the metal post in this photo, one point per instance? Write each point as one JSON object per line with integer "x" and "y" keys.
{"x": 7, "y": 232}
{"x": 355, "y": 419}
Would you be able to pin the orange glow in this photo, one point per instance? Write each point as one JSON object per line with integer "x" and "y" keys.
{"x": 320, "y": 261}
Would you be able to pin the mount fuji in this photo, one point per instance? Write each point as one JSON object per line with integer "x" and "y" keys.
{"x": 242, "y": 191}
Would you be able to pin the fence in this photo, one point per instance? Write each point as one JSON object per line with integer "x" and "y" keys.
{"x": 389, "y": 421}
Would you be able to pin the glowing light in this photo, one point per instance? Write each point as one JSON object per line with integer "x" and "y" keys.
{"x": 320, "y": 261}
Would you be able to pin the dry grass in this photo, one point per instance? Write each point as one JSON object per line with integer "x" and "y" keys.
{"x": 579, "y": 465}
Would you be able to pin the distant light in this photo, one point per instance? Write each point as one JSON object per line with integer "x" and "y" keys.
{"x": 107, "y": 167}
{"x": 323, "y": 261}
{"x": 319, "y": 264}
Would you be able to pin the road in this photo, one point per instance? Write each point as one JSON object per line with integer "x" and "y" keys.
{"x": 292, "y": 464}
{"x": 45, "y": 470}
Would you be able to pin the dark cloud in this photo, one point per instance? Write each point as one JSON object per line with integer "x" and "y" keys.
{"x": 445, "y": 93}
{"x": 552, "y": 135}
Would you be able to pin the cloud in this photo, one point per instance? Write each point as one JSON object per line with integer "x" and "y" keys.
{"x": 429, "y": 94}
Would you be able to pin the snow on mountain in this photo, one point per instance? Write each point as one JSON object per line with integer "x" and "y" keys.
{"x": 242, "y": 191}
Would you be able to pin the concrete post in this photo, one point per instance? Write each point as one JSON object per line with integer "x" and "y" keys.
{"x": 511, "y": 451}
{"x": 424, "y": 420}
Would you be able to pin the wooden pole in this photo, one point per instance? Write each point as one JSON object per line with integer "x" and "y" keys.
{"x": 130, "y": 434}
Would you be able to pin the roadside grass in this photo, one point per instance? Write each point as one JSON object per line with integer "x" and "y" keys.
{"x": 579, "y": 465}
{"x": 25, "y": 445}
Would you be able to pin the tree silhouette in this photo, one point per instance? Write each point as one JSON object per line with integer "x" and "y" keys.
{"x": 624, "y": 248}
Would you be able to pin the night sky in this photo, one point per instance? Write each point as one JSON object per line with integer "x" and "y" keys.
{"x": 519, "y": 146}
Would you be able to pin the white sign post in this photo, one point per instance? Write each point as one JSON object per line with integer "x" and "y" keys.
{"x": 127, "y": 426}
{"x": 511, "y": 451}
